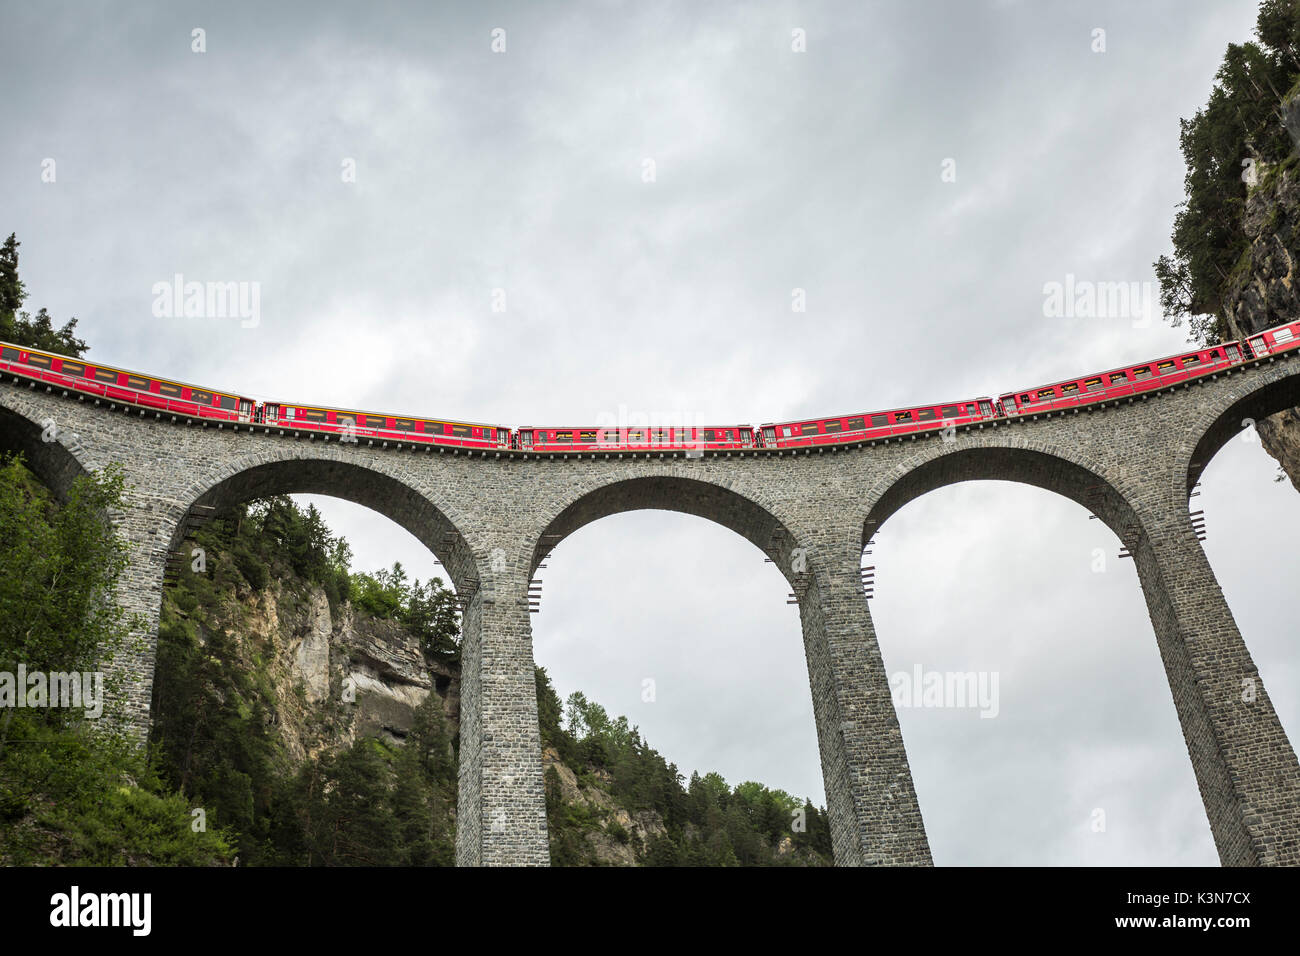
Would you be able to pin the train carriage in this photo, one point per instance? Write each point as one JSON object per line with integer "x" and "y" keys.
{"x": 636, "y": 438}
{"x": 351, "y": 423}
{"x": 118, "y": 385}
{"x": 1272, "y": 341}
{"x": 1118, "y": 382}
{"x": 872, "y": 425}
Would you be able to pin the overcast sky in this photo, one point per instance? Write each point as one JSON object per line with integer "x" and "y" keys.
{"x": 523, "y": 173}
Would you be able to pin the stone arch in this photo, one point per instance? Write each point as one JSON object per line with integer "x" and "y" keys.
{"x": 869, "y": 796}
{"x": 1087, "y": 482}
{"x": 1254, "y": 394}
{"x": 56, "y": 455}
{"x": 1246, "y": 787}
{"x": 373, "y": 484}
{"x": 744, "y": 511}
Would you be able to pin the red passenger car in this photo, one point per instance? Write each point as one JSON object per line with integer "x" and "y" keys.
{"x": 873, "y": 425}
{"x": 130, "y": 388}
{"x": 1272, "y": 341}
{"x": 638, "y": 438}
{"x": 1117, "y": 383}
{"x": 350, "y": 423}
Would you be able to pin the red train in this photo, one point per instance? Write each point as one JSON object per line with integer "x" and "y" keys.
{"x": 178, "y": 398}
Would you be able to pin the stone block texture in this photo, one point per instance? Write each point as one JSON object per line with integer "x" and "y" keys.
{"x": 492, "y": 517}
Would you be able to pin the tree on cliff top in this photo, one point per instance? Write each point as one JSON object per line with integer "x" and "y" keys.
{"x": 1240, "y": 127}
{"x": 21, "y": 328}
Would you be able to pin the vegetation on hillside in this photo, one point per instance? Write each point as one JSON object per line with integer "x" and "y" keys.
{"x": 70, "y": 793}
{"x": 707, "y": 823}
{"x": 1241, "y": 124}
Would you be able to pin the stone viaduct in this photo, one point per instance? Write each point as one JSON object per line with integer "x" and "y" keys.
{"x": 490, "y": 517}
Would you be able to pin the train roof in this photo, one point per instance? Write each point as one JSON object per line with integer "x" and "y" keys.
{"x": 126, "y": 371}
{"x": 357, "y": 411}
{"x": 1124, "y": 368}
{"x": 878, "y": 411}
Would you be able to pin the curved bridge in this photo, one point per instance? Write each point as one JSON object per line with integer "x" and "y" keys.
{"x": 490, "y": 520}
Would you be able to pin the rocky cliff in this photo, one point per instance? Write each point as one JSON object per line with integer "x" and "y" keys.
{"x": 329, "y": 677}
{"x": 1264, "y": 290}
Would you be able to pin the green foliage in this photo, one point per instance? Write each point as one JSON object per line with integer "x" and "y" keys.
{"x": 67, "y": 797}
{"x": 428, "y": 611}
{"x": 58, "y": 566}
{"x": 708, "y": 822}
{"x": 70, "y": 794}
{"x": 21, "y": 328}
{"x": 1242, "y": 121}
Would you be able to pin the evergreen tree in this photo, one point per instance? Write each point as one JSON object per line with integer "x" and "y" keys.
{"x": 21, "y": 328}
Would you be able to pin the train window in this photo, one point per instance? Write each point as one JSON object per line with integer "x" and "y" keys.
{"x": 311, "y": 414}
{"x": 925, "y": 414}
{"x": 227, "y": 401}
{"x": 8, "y": 355}
{"x": 857, "y": 424}
{"x": 1046, "y": 394}
{"x": 587, "y": 437}
{"x": 105, "y": 375}
{"x": 785, "y": 431}
{"x": 1164, "y": 367}
{"x": 1190, "y": 360}
{"x": 1092, "y": 384}
{"x": 832, "y": 425}
{"x": 136, "y": 382}
{"x": 769, "y": 434}
{"x": 635, "y": 435}
{"x": 949, "y": 411}
{"x": 200, "y": 396}
{"x": 1257, "y": 345}
{"x": 1141, "y": 373}
{"x": 879, "y": 421}
{"x": 404, "y": 424}
{"x": 168, "y": 389}
{"x": 809, "y": 428}
{"x": 44, "y": 361}
{"x": 73, "y": 368}
{"x": 986, "y": 408}
{"x": 462, "y": 431}
{"x": 708, "y": 434}
{"x": 1283, "y": 335}
{"x": 1118, "y": 377}
{"x": 1070, "y": 388}
{"x": 1234, "y": 353}
{"x": 902, "y": 416}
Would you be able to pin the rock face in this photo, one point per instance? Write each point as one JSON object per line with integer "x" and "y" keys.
{"x": 1264, "y": 291}
{"x": 312, "y": 664}
{"x": 371, "y": 669}
{"x": 606, "y": 848}
{"x": 386, "y": 671}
